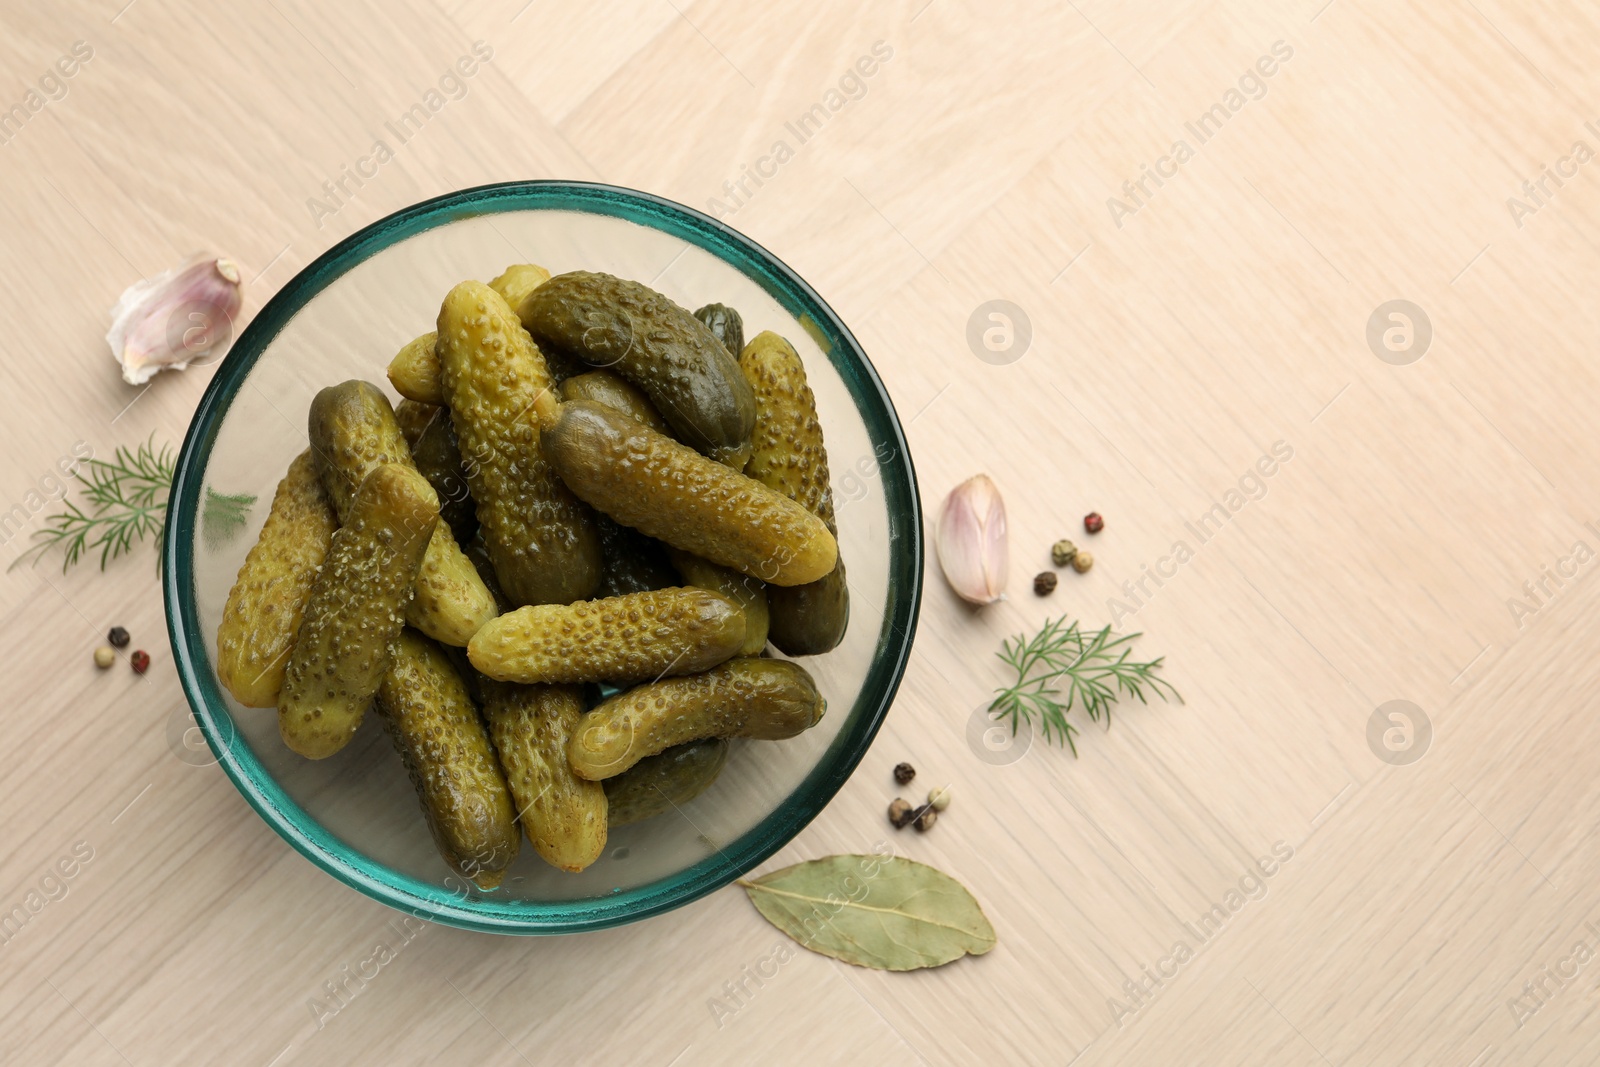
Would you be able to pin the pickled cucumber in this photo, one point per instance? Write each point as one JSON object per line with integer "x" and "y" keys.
{"x": 412, "y": 417}
{"x": 670, "y": 492}
{"x": 414, "y": 371}
{"x": 630, "y": 328}
{"x": 633, "y": 562}
{"x": 517, "y": 281}
{"x": 563, "y": 815}
{"x": 606, "y": 388}
{"x": 630, "y": 638}
{"x": 749, "y": 593}
{"x": 354, "y": 614}
{"x": 725, "y": 325}
{"x": 445, "y": 746}
{"x": 352, "y": 430}
{"x": 264, "y": 609}
{"x": 437, "y": 455}
{"x": 768, "y": 699}
{"x": 667, "y": 780}
{"x": 541, "y": 538}
{"x": 788, "y": 456}
{"x": 477, "y": 551}
{"x": 810, "y": 619}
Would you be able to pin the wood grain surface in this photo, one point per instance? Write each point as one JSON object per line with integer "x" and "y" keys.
{"x": 1316, "y": 159}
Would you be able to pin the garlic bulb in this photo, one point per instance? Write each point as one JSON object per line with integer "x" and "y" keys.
{"x": 971, "y": 539}
{"x": 175, "y": 318}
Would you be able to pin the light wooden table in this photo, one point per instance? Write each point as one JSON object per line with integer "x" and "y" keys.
{"x": 1421, "y": 912}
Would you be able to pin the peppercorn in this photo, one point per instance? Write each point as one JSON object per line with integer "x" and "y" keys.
{"x": 104, "y": 657}
{"x": 1044, "y": 583}
{"x": 926, "y": 817}
{"x": 118, "y": 637}
{"x": 1062, "y": 551}
{"x": 1082, "y": 561}
{"x": 1093, "y": 522}
{"x": 939, "y": 797}
{"x": 904, "y": 772}
{"x": 140, "y": 661}
{"x": 900, "y": 813}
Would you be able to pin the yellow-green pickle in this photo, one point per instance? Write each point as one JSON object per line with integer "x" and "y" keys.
{"x": 517, "y": 281}
{"x": 541, "y": 538}
{"x": 445, "y": 746}
{"x": 633, "y": 562}
{"x": 437, "y": 455}
{"x": 667, "y": 780}
{"x": 621, "y": 325}
{"x": 355, "y": 611}
{"x": 353, "y": 429}
{"x": 563, "y": 815}
{"x": 650, "y": 482}
{"x": 477, "y": 551}
{"x": 264, "y": 609}
{"x": 620, "y": 639}
{"x": 725, "y": 325}
{"x": 788, "y": 456}
{"x": 413, "y": 417}
{"x": 414, "y": 371}
{"x": 749, "y": 593}
{"x": 766, "y": 699}
{"x": 606, "y": 388}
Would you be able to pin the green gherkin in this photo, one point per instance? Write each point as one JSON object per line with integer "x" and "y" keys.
{"x": 564, "y": 815}
{"x": 621, "y": 639}
{"x": 447, "y": 753}
{"x": 356, "y": 611}
{"x": 268, "y": 599}
{"x": 652, "y": 483}
{"x": 437, "y": 455}
{"x": 634, "y": 563}
{"x": 681, "y": 365}
{"x": 725, "y": 325}
{"x": 667, "y": 780}
{"x": 414, "y": 371}
{"x": 767, "y": 699}
{"x": 413, "y": 417}
{"x": 541, "y": 538}
{"x": 477, "y": 551}
{"x": 749, "y": 593}
{"x": 353, "y": 430}
{"x": 517, "y": 281}
{"x": 789, "y": 457}
{"x": 613, "y": 391}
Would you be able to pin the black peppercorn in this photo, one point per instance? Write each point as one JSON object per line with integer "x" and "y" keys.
{"x": 118, "y": 637}
{"x": 1044, "y": 583}
{"x": 904, "y": 772}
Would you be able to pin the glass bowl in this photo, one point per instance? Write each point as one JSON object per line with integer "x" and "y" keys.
{"x": 355, "y": 814}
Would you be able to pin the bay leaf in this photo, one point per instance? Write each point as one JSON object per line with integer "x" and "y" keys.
{"x": 884, "y": 912}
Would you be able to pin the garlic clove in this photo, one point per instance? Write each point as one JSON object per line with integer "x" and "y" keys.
{"x": 971, "y": 539}
{"x": 176, "y": 318}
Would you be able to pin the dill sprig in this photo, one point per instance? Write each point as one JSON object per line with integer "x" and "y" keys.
{"x": 127, "y": 497}
{"x": 224, "y": 515}
{"x": 1095, "y": 669}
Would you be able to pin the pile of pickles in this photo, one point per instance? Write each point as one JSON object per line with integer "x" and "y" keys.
{"x": 553, "y": 570}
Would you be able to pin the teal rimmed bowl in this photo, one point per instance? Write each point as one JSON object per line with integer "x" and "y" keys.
{"x": 355, "y": 814}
